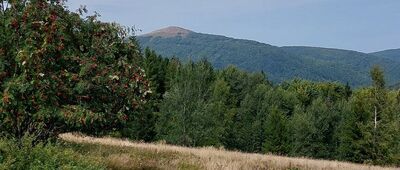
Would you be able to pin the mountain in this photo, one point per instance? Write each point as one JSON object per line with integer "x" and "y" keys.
{"x": 393, "y": 54}
{"x": 280, "y": 63}
{"x": 343, "y": 65}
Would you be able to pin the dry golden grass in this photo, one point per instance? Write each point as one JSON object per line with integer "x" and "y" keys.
{"x": 163, "y": 156}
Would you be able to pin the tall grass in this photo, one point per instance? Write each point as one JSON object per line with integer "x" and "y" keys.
{"x": 165, "y": 156}
{"x": 24, "y": 155}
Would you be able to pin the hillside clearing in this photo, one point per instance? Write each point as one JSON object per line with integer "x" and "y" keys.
{"x": 124, "y": 154}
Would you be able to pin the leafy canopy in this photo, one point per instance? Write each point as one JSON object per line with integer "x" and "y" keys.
{"x": 61, "y": 71}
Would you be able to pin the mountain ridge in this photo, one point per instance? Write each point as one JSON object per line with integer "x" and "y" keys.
{"x": 181, "y": 29}
{"x": 393, "y": 54}
{"x": 280, "y": 63}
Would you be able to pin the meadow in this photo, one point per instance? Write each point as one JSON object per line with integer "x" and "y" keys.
{"x": 124, "y": 154}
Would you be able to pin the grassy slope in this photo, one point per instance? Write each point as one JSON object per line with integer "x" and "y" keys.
{"x": 122, "y": 154}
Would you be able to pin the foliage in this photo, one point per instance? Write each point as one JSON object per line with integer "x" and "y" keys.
{"x": 185, "y": 119}
{"x": 377, "y": 77}
{"x": 141, "y": 125}
{"x": 50, "y": 156}
{"x": 276, "y": 133}
{"x": 243, "y": 111}
{"x": 61, "y": 72}
{"x": 314, "y": 129}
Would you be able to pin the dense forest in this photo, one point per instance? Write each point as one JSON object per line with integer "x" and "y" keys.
{"x": 62, "y": 72}
{"x": 196, "y": 105}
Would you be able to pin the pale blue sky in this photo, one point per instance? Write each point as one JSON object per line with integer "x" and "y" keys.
{"x": 362, "y": 25}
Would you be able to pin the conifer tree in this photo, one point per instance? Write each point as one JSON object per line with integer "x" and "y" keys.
{"x": 250, "y": 120}
{"x": 276, "y": 132}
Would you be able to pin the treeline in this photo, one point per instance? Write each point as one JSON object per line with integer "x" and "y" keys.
{"x": 193, "y": 104}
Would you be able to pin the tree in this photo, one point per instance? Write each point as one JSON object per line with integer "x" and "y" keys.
{"x": 217, "y": 115}
{"x": 368, "y": 132}
{"x": 314, "y": 130}
{"x": 281, "y": 106}
{"x": 156, "y": 71}
{"x": 61, "y": 72}
{"x": 348, "y": 91}
{"x": 250, "y": 120}
{"x": 141, "y": 126}
{"x": 182, "y": 119}
{"x": 358, "y": 137}
{"x": 378, "y": 80}
{"x": 241, "y": 83}
{"x": 276, "y": 132}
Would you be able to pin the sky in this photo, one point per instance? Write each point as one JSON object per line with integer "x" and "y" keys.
{"x": 361, "y": 25}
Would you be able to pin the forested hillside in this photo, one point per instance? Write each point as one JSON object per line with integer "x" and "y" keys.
{"x": 281, "y": 63}
{"x": 393, "y": 54}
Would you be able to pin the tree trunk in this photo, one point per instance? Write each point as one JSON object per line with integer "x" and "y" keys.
{"x": 375, "y": 117}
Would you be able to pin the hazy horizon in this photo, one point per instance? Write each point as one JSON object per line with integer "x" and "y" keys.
{"x": 361, "y": 25}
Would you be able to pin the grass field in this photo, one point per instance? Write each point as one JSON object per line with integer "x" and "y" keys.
{"x": 124, "y": 154}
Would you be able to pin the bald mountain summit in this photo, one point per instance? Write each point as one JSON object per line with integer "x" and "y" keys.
{"x": 169, "y": 32}
{"x": 279, "y": 63}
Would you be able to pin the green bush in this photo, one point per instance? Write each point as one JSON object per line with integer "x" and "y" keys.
{"x": 61, "y": 71}
{"x": 41, "y": 156}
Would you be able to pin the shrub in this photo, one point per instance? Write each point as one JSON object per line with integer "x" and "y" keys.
{"x": 61, "y": 72}
{"x": 49, "y": 156}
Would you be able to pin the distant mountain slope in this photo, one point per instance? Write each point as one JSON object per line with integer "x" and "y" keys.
{"x": 393, "y": 54}
{"x": 280, "y": 63}
{"x": 344, "y": 65}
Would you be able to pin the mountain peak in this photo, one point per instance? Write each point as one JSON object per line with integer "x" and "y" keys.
{"x": 171, "y": 31}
